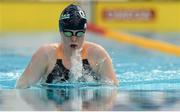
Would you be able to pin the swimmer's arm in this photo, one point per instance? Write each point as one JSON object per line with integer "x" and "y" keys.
{"x": 105, "y": 67}
{"x": 34, "y": 71}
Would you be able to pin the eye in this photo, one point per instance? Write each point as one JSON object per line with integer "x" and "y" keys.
{"x": 68, "y": 34}
{"x": 80, "y": 34}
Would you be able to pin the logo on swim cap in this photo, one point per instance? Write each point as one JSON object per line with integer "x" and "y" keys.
{"x": 81, "y": 13}
{"x": 65, "y": 16}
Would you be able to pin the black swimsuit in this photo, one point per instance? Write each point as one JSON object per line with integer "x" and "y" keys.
{"x": 61, "y": 74}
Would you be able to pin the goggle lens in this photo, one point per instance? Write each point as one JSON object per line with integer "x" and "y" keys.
{"x": 70, "y": 33}
{"x": 79, "y": 34}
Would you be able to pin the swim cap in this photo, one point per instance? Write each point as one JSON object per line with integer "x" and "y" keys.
{"x": 73, "y": 18}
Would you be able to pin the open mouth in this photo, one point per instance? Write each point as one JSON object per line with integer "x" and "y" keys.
{"x": 74, "y": 46}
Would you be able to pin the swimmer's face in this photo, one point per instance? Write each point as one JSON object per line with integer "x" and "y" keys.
{"x": 73, "y": 39}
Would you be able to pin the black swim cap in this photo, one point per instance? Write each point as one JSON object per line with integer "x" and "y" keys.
{"x": 73, "y": 18}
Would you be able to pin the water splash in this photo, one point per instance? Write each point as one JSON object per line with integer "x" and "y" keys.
{"x": 8, "y": 79}
{"x": 76, "y": 66}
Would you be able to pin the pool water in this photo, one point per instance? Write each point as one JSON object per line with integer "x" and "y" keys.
{"x": 136, "y": 68}
{"x": 149, "y": 80}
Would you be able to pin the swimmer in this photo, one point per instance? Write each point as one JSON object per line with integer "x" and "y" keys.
{"x": 52, "y": 63}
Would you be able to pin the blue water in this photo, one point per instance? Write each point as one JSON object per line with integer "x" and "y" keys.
{"x": 136, "y": 68}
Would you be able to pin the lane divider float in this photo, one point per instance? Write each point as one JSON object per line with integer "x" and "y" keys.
{"x": 135, "y": 40}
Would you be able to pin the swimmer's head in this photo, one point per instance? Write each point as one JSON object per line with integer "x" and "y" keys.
{"x": 72, "y": 18}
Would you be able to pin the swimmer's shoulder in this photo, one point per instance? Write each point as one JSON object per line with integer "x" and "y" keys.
{"x": 49, "y": 47}
{"x": 93, "y": 47}
{"x": 46, "y": 49}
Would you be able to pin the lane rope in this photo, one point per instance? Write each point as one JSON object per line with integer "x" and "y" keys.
{"x": 136, "y": 40}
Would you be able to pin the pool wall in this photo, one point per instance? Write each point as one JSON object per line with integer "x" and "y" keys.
{"x": 28, "y": 15}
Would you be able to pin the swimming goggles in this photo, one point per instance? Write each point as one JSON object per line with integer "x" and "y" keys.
{"x": 68, "y": 33}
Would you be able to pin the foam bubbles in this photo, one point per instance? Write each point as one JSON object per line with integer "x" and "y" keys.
{"x": 76, "y": 66}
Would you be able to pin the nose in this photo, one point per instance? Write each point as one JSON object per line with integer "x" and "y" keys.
{"x": 73, "y": 38}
